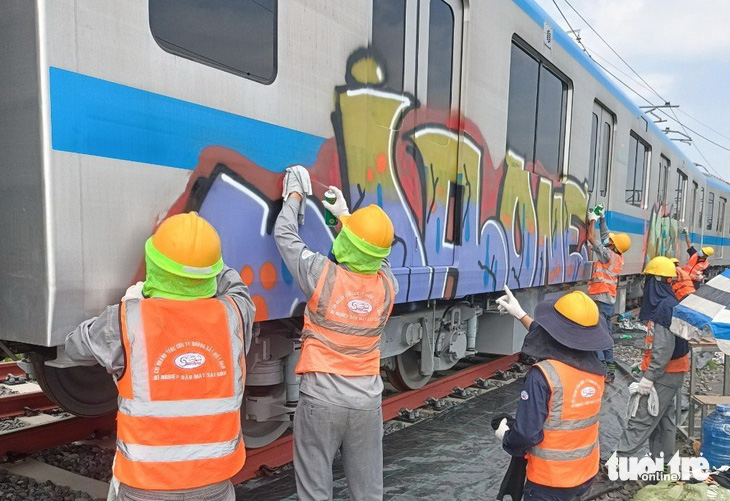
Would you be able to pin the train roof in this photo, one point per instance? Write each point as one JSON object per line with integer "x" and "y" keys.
{"x": 532, "y": 9}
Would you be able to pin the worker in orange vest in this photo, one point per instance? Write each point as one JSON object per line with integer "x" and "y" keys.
{"x": 556, "y": 425}
{"x": 608, "y": 253}
{"x": 665, "y": 362}
{"x": 349, "y": 299}
{"x": 176, "y": 347}
{"x": 682, "y": 284}
{"x": 698, "y": 260}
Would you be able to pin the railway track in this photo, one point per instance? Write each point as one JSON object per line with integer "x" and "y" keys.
{"x": 45, "y": 426}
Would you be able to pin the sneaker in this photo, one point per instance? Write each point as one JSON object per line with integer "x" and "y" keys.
{"x": 610, "y": 372}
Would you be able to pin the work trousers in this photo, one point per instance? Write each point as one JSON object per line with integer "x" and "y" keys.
{"x": 660, "y": 430}
{"x": 222, "y": 491}
{"x": 320, "y": 430}
{"x": 606, "y": 311}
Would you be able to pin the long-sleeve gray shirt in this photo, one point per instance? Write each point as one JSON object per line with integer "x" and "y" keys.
{"x": 99, "y": 339}
{"x": 662, "y": 347}
{"x": 306, "y": 266}
{"x": 603, "y": 254}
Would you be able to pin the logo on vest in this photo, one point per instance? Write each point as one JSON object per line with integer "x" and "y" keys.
{"x": 588, "y": 392}
{"x": 359, "y": 306}
{"x": 189, "y": 360}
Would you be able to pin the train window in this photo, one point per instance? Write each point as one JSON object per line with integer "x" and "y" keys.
{"x": 690, "y": 217}
{"x": 710, "y": 209}
{"x": 593, "y": 159}
{"x": 721, "y": 214}
{"x": 536, "y": 113}
{"x": 637, "y": 167}
{"x": 440, "y": 54}
{"x": 661, "y": 196}
{"x": 238, "y": 36}
{"x": 702, "y": 207}
{"x": 678, "y": 209}
{"x": 605, "y": 156}
{"x": 389, "y": 32}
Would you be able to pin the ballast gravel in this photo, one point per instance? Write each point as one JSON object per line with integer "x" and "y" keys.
{"x": 88, "y": 460}
{"x": 17, "y": 488}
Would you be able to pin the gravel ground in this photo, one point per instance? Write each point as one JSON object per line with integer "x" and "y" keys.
{"x": 11, "y": 424}
{"x": 17, "y": 488}
{"x": 87, "y": 460}
{"x": 6, "y": 390}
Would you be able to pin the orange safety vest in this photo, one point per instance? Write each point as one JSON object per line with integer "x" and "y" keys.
{"x": 696, "y": 268}
{"x": 680, "y": 364}
{"x": 605, "y": 276}
{"x": 179, "y": 423}
{"x": 569, "y": 452}
{"x": 343, "y": 322}
{"x": 682, "y": 285}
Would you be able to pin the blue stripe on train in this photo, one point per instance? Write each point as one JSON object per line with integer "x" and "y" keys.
{"x": 97, "y": 117}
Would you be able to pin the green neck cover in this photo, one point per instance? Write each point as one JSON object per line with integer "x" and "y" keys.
{"x": 357, "y": 254}
{"x": 163, "y": 284}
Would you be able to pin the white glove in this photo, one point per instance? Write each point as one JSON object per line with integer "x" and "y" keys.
{"x": 134, "y": 292}
{"x": 503, "y": 428}
{"x": 296, "y": 180}
{"x": 645, "y": 386}
{"x": 339, "y": 208}
{"x": 509, "y": 304}
{"x": 592, "y": 216}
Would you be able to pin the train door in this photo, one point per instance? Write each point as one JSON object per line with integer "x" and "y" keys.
{"x": 602, "y": 122}
{"x": 434, "y": 77}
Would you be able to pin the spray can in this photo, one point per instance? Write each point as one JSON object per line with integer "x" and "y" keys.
{"x": 598, "y": 209}
{"x": 329, "y": 218}
{"x": 625, "y": 336}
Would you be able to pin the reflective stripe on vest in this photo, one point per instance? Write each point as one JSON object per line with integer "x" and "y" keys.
{"x": 605, "y": 275}
{"x": 343, "y": 323}
{"x": 696, "y": 268}
{"x": 569, "y": 452}
{"x": 682, "y": 285}
{"x": 674, "y": 365}
{"x": 178, "y": 424}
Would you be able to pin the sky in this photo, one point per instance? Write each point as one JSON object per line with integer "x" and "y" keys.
{"x": 681, "y": 48}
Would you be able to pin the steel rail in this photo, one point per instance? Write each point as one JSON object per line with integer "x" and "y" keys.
{"x": 279, "y": 452}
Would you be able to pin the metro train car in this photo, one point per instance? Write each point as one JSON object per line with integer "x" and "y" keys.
{"x": 479, "y": 126}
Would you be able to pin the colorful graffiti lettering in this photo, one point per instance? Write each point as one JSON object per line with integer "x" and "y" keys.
{"x": 462, "y": 225}
{"x": 661, "y": 237}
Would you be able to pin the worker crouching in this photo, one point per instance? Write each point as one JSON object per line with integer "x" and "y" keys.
{"x": 349, "y": 300}
{"x": 556, "y": 425}
{"x": 176, "y": 348}
{"x": 665, "y": 362}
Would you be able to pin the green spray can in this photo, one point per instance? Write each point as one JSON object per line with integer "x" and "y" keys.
{"x": 598, "y": 209}
{"x": 329, "y": 218}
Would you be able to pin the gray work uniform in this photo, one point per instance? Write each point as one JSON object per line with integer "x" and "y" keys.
{"x": 334, "y": 411}
{"x": 659, "y": 430}
{"x": 603, "y": 254}
{"x": 99, "y": 340}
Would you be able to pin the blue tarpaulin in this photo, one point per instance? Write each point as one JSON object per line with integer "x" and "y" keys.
{"x": 706, "y": 313}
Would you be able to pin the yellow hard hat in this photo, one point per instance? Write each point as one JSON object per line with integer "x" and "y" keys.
{"x": 578, "y": 308}
{"x": 186, "y": 245}
{"x": 372, "y": 225}
{"x": 621, "y": 241}
{"x": 660, "y": 266}
{"x": 708, "y": 251}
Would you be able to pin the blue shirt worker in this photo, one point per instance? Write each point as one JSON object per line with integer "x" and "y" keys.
{"x": 608, "y": 252}
{"x": 556, "y": 425}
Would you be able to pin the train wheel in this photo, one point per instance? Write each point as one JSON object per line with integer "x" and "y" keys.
{"x": 261, "y": 433}
{"x": 407, "y": 374}
{"x": 83, "y": 390}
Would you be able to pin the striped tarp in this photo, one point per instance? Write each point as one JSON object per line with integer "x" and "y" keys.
{"x": 706, "y": 313}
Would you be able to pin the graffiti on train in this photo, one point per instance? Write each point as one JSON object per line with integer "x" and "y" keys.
{"x": 661, "y": 237}
{"x": 462, "y": 224}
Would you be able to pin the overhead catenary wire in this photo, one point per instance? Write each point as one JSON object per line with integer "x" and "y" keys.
{"x": 646, "y": 85}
